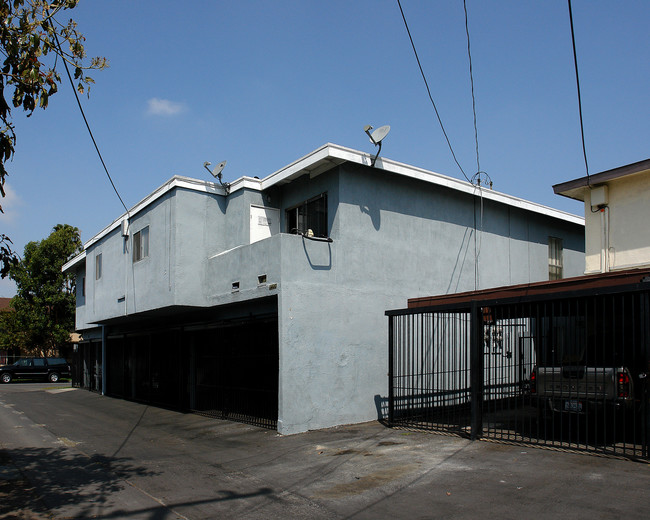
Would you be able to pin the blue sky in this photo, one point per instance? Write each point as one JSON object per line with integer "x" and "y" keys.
{"x": 262, "y": 83}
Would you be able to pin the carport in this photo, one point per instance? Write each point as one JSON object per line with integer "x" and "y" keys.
{"x": 222, "y": 362}
{"x": 467, "y": 363}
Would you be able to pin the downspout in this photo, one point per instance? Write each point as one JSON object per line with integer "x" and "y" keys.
{"x": 604, "y": 239}
{"x": 103, "y": 360}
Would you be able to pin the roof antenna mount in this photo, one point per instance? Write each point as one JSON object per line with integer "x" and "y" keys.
{"x": 376, "y": 137}
{"x": 216, "y": 173}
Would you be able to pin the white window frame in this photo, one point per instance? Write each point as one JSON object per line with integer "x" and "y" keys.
{"x": 141, "y": 244}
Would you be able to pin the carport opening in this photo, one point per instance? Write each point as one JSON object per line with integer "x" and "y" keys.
{"x": 227, "y": 370}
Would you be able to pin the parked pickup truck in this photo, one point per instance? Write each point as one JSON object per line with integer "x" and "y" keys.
{"x": 582, "y": 389}
{"x": 51, "y": 369}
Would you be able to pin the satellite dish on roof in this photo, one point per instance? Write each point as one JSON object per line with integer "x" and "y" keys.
{"x": 376, "y": 137}
{"x": 216, "y": 172}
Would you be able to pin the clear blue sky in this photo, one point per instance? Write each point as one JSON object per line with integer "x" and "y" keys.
{"x": 262, "y": 83}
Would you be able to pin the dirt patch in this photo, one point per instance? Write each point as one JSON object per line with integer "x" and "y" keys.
{"x": 364, "y": 483}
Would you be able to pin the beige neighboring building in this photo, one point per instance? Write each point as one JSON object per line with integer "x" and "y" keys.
{"x": 617, "y": 216}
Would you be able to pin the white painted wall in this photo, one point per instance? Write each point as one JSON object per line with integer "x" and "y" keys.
{"x": 627, "y": 218}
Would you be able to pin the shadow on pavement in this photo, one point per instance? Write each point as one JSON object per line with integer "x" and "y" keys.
{"x": 60, "y": 478}
{"x": 34, "y": 482}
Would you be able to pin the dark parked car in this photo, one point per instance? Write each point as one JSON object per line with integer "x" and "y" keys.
{"x": 51, "y": 369}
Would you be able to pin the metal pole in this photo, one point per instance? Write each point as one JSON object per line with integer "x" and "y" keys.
{"x": 391, "y": 390}
{"x": 476, "y": 369}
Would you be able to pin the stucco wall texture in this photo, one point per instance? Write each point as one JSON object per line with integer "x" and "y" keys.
{"x": 627, "y": 243}
{"x": 394, "y": 238}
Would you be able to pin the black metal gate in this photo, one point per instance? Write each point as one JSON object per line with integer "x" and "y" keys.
{"x": 234, "y": 371}
{"x": 87, "y": 366}
{"x": 565, "y": 370}
{"x": 226, "y": 369}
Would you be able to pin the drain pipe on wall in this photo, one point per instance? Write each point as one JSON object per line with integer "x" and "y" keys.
{"x": 104, "y": 337}
{"x": 599, "y": 201}
{"x": 604, "y": 243}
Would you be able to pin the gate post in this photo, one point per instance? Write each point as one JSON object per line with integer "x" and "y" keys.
{"x": 476, "y": 369}
{"x": 645, "y": 396}
{"x": 391, "y": 390}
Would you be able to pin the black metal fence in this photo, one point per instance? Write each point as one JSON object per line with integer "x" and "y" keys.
{"x": 225, "y": 370}
{"x": 564, "y": 370}
{"x": 87, "y": 366}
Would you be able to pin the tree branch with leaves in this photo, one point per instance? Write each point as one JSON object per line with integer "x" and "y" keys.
{"x": 34, "y": 45}
{"x": 44, "y": 307}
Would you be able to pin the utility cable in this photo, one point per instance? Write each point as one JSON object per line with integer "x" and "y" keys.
{"x": 575, "y": 64}
{"x": 65, "y": 63}
{"x": 429, "y": 90}
{"x": 478, "y": 234}
{"x": 471, "y": 78}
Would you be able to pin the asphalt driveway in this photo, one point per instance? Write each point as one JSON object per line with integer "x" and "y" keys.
{"x": 67, "y": 453}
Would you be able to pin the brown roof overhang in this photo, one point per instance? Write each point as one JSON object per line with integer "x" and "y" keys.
{"x": 567, "y": 285}
{"x": 575, "y": 189}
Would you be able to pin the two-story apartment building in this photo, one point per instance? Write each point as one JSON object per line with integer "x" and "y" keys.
{"x": 265, "y": 299}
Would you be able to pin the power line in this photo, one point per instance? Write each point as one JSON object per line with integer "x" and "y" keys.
{"x": 429, "y": 90}
{"x": 575, "y": 64}
{"x": 65, "y": 64}
{"x": 471, "y": 78}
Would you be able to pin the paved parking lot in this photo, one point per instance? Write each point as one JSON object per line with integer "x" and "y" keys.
{"x": 67, "y": 453}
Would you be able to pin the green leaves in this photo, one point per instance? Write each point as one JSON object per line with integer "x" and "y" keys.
{"x": 8, "y": 258}
{"x": 45, "y": 303}
{"x": 34, "y": 45}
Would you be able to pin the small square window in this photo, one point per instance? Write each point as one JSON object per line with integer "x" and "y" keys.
{"x": 98, "y": 266}
{"x": 141, "y": 244}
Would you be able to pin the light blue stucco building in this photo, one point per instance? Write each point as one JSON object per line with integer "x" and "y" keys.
{"x": 218, "y": 299}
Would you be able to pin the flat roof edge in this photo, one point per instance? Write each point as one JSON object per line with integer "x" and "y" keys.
{"x": 177, "y": 181}
{"x": 73, "y": 262}
{"x": 340, "y": 153}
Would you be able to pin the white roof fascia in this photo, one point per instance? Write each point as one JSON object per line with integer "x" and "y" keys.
{"x": 176, "y": 181}
{"x": 74, "y": 262}
{"x": 338, "y": 154}
{"x": 314, "y": 163}
{"x": 246, "y": 182}
{"x": 466, "y": 187}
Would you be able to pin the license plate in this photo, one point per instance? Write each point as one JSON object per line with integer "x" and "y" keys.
{"x": 571, "y": 405}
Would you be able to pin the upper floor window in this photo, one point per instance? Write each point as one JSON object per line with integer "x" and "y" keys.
{"x": 98, "y": 266}
{"x": 554, "y": 258}
{"x": 141, "y": 244}
{"x": 310, "y": 215}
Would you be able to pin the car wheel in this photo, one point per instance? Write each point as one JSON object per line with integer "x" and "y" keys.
{"x": 6, "y": 377}
{"x": 53, "y": 377}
